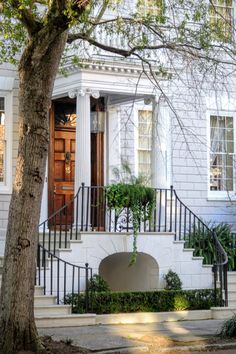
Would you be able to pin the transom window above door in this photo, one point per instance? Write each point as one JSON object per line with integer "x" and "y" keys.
{"x": 65, "y": 114}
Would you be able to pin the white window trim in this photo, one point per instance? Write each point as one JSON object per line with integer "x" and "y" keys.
{"x": 220, "y": 195}
{"x": 138, "y": 107}
{"x": 6, "y": 186}
{"x": 233, "y": 20}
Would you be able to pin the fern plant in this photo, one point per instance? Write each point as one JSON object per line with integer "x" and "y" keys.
{"x": 201, "y": 240}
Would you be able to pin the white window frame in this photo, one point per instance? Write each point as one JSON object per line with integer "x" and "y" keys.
{"x": 139, "y": 107}
{"x": 220, "y": 195}
{"x": 233, "y": 21}
{"x": 6, "y": 185}
{"x": 149, "y": 10}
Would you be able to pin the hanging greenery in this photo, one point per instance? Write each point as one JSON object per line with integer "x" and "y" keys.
{"x": 138, "y": 198}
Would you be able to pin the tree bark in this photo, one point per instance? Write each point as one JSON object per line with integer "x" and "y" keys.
{"x": 37, "y": 71}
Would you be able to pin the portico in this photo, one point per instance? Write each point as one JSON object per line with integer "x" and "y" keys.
{"x": 101, "y": 91}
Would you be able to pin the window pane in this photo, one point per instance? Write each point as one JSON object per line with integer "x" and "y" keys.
{"x": 144, "y": 143}
{"x": 150, "y": 7}
{"x": 2, "y": 108}
{"x": 221, "y": 158}
{"x": 221, "y": 19}
{"x": 2, "y": 140}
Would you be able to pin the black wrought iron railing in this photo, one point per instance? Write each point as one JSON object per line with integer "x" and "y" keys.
{"x": 88, "y": 211}
{"x": 60, "y": 278}
{"x": 198, "y": 236}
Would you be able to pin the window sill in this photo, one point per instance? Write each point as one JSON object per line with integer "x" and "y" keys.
{"x": 221, "y": 198}
{"x": 5, "y": 189}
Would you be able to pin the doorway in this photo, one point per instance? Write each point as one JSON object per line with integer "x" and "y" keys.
{"x": 61, "y": 166}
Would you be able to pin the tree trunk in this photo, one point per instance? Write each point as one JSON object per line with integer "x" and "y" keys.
{"x": 37, "y": 71}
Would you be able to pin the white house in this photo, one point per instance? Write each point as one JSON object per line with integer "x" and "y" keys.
{"x": 108, "y": 111}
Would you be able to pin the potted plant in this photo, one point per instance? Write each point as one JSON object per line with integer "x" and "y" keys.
{"x": 131, "y": 192}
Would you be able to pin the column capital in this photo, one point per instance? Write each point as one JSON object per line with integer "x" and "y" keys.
{"x": 82, "y": 92}
{"x": 157, "y": 99}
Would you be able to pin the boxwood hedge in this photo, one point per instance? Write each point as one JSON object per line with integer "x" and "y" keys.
{"x": 150, "y": 301}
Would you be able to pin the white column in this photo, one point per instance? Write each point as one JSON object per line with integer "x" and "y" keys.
{"x": 83, "y": 140}
{"x": 113, "y": 139}
{"x": 161, "y": 144}
{"x": 83, "y": 136}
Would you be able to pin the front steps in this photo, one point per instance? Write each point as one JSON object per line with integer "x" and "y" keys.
{"x": 49, "y": 314}
{"x": 227, "y": 312}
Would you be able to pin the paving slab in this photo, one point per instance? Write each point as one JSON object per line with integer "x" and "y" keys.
{"x": 114, "y": 337}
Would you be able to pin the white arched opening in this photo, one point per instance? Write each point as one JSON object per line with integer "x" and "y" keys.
{"x": 141, "y": 276}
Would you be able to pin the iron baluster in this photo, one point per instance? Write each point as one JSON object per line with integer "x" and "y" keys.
{"x": 171, "y": 201}
{"x": 58, "y": 280}
{"x": 82, "y": 208}
{"x": 87, "y": 211}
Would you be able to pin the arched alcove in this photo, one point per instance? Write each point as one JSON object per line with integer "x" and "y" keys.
{"x": 141, "y": 276}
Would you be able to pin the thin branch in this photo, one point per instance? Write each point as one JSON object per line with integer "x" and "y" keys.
{"x": 26, "y": 17}
{"x": 98, "y": 17}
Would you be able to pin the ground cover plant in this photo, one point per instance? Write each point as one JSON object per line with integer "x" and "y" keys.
{"x": 228, "y": 330}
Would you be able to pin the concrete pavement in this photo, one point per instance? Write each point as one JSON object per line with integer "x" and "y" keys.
{"x": 137, "y": 338}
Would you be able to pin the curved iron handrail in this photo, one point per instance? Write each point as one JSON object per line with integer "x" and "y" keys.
{"x": 49, "y": 276}
{"x": 58, "y": 228}
{"x": 220, "y": 263}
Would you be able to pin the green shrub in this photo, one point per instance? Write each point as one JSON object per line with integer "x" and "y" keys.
{"x": 173, "y": 281}
{"x": 98, "y": 284}
{"x": 180, "y": 302}
{"x": 228, "y": 330}
{"x": 150, "y": 301}
{"x": 204, "y": 247}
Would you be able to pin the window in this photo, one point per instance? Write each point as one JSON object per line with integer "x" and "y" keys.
{"x": 221, "y": 19}
{"x": 2, "y": 139}
{"x": 144, "y": 143}
{"x": 150, "y": 7}
{"x": 221, "y": 153}
{"x": 5, "y": 142}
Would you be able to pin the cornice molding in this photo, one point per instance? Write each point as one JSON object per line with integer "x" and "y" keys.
{"x": 106, "y": 67}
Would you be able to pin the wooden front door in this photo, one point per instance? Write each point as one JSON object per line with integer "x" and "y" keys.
{"x": 61, "y": 172}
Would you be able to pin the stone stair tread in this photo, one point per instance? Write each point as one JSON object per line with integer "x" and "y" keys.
{"x": 71, "y": 315}
{"x": 44, "y": 296}
{"x": 56, "y": 306}
{"x": 224, "y": 308}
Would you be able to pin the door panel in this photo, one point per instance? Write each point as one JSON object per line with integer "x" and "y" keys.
{"x": 63, "y": 174}
{"x": 97, "y": 179}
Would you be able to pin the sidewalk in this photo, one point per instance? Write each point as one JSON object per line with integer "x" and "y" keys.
{"x": 137, "y": 338}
